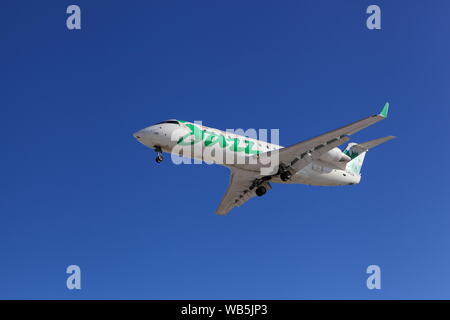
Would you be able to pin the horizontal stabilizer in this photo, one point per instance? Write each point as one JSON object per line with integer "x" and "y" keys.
{"x": 373, "y": 143}
{"x": 356, "y": 152}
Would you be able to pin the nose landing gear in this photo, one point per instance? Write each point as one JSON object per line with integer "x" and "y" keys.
{"x": 159, "y": 157}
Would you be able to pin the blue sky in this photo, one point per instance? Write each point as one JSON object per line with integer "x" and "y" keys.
{"x": 76, "y": 188}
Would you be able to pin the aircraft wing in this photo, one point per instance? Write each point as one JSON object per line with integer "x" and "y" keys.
{"x": 238, "y": 191}
{"x": 299, "y": 155}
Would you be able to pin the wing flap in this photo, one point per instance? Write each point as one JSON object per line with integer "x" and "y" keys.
{"x": 305, "y": 158}
{"x": 238, "y": 191}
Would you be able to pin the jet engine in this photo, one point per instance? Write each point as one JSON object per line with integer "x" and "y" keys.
{"x": 335, "y": 155}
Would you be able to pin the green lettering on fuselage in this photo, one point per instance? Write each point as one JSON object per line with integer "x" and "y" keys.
{"x": 197, "y": 135}
{"x": 213, "y": 138}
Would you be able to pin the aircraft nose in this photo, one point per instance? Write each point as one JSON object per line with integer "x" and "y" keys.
{"x": 139, "y": 134}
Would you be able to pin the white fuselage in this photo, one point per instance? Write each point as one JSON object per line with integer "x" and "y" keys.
{"x": 173, "y": 136}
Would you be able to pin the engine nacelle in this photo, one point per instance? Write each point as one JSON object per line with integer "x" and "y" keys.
{"x": 335, "y": 155}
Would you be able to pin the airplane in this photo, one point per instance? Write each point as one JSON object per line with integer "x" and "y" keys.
{"x": 316, "y": 161}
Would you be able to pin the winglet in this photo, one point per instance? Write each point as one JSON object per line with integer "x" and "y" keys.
{"x": 385, "y": 110}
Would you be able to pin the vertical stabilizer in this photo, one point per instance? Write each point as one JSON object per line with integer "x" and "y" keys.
{"x": 357, "y": 154}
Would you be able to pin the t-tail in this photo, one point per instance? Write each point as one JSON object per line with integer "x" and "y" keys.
{"x": 357, "y": 152}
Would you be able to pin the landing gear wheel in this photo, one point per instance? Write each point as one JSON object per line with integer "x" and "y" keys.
{"x": 260, "y": 191}
{"x": 159, "y": 158}
{"x": 285, "y": 176}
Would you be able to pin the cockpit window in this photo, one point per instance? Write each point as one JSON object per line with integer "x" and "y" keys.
{"x": 168, "y": 121}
